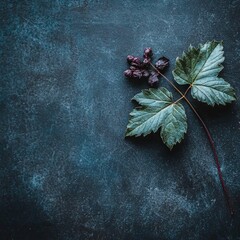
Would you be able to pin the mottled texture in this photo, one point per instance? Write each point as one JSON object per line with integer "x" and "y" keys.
{"x": 66, "y": 171}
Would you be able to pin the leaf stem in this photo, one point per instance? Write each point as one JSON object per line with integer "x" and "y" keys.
{"x": 189, "y": 87}
{"x": 225, "y": 191}
{"x": 183, "y": 95}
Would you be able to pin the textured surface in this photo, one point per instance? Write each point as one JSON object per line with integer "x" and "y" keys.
{"x": 66, "y": 171}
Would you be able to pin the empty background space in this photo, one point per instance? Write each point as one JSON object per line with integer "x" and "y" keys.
{"x": 66, "y": 171}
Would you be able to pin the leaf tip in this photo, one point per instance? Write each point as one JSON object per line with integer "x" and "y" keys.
{"x": 127, "y": 134}
{"x": 170, "y": 147}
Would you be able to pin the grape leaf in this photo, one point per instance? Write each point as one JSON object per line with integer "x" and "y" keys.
{"x": 157, "y": 110}
{"x": 200, "y": 67}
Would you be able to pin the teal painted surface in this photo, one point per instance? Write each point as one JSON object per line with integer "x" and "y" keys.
{"x": 66, "y": 171}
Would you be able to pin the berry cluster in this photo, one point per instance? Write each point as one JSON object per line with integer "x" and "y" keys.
{"x": 140, "y": 69}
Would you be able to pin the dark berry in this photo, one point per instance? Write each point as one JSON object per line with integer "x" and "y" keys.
{"x": 153, "y": 80}
{"x": 136, "y": 62}
{"x": 162, "y": 63}
{"x": 128, "y": 73}
{"x": 147, "y": 53}
{"x": 132, "y": 68}
{"x": 145, "y": 74}
{"x": 130, "y": 58}
{"x": 137, "y": 74}
{"x": 146, "y": 62}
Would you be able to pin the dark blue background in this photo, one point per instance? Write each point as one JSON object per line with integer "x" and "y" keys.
{"x": 66, "y": 171}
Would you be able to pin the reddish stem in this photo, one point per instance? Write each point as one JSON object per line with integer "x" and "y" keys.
{"x": 225, "y": 191}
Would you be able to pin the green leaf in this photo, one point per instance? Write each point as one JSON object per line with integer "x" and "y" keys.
{"x": 200, "y": 67}
{"x": 158, "y": 111}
